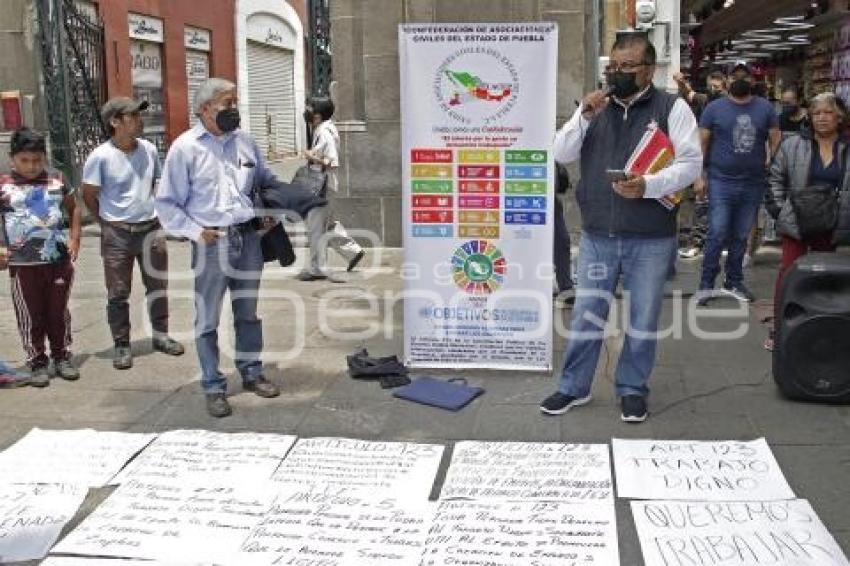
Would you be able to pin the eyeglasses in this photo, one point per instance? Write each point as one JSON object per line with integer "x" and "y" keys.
{"x": 625, "y": 67}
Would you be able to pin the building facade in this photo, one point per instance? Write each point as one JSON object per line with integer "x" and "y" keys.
{"x": 160, "y": 50}
{"x": 364, "y": 37}
{"x": 270, "y": 47}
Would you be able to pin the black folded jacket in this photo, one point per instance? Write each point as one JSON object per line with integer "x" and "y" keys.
{"x": 362, "y": 366}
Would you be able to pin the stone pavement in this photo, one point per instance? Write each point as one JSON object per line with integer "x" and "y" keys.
{"x": 700, "y": 390}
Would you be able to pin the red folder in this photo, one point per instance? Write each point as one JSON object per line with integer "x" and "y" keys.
{"x": 653, "y": 153}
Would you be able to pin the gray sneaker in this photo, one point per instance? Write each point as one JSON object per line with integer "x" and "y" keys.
{"x": 739, "y": 292}
{"x": 66, "y": 370}
{"x": 122, "y": 358}
{"x": 39, "y": 377}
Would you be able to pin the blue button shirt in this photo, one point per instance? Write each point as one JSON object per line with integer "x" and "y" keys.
{"x": 208, "y": 180}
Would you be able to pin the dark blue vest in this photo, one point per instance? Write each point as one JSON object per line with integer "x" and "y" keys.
{"x": 611, "y": 138}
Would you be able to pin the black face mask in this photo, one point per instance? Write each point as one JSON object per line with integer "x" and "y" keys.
{"x": 740, "y": 88}
{"x": 714, "y": 95}
{"x": 228, "y": 120}
{"x": 790, "y": 109}
{"x": 623, "y": 84}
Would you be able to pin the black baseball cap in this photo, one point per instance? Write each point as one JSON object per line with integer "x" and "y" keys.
{"x": 121, "y": 105}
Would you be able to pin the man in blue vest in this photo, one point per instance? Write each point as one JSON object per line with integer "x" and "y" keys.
{"x": 626, "y": 233}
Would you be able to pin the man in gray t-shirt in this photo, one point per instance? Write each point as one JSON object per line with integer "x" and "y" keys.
{"x": 119, "y": 180}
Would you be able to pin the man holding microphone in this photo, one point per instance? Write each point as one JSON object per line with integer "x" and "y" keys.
{"x": 626, "y": 233}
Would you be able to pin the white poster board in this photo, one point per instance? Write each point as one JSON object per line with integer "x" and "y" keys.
{"x": 540, "y": 471}
{"x": 477, "y": 124}
{"x": 169, "y": 521}
{"x": 750, "y": 533}
{"x": 338, "y": 526}
{"x": 209, "y": 458}
{"x": 402, "y": 469}
{"x": 32, "y": 516}
{"x": 81, "y": 457}
{"x": 77, "y": 561}
{"x": 698, "y": 470}
{"x": 522, "y": 534}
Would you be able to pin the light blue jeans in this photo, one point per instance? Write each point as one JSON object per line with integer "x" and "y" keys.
{"x": 643, "y": 265}
{"x": 233, "y": 262}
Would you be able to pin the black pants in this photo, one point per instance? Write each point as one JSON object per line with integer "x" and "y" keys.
{"x": 563, "y": 275}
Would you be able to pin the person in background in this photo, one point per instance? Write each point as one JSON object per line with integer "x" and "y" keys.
{"x": 561, "y": 259}
{"x": 119, "y": 183}
{"x": 735, "y": 132}
{"x": 804, "y": 161}
{"x": 207, "y": 194}
{"x": 39, "y": 251}
{"x": 626, "y": 233}
{"x": 323, "y": 155}
{"x": 793, "y": 119}
{"x": 693, "y": 239}
{"x": 715, "y": 88}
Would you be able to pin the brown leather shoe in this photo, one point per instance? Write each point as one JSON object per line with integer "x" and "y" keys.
{"x": 262, "y": 387}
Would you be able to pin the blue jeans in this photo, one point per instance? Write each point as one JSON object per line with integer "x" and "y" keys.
{"x": 234, "y": 262}
{"x": 642, "y": 263}
{"x": 732, "y": 211}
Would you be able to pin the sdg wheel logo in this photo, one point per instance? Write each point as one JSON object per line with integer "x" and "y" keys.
{"x": 478, "y": 267}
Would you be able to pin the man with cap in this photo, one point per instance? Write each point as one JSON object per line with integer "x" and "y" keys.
{"x": 119, "y": 183}
{"x": 735, "y": 132}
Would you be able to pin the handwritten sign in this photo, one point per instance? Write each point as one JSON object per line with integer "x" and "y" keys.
{"x": 697, "y": 533}
{"x": 399, "y": 467}
{"x": 168, "y": 521}
{"x": 80, "y": 457}
{"x": 705, "y": 471}
{"x": 74, "y": 561}
{"x": 32, "y": 516}
{"x": 210, "y": 458}
{"x": 336, "y": 526}
{"x": 529, "y": 470}
{"x": 542, "y": 533}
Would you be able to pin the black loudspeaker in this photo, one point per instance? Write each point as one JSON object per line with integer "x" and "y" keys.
{"x": 811, "y": 356}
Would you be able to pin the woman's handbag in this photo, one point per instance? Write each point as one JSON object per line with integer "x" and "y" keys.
{"x": 817, "y": 206}
{"x": 314, "y": 181}
{"x": 816, "y": 209}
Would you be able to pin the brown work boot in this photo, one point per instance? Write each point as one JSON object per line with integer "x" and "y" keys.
{"x": 262, "y": 387}
{"x": 217, "y": 405}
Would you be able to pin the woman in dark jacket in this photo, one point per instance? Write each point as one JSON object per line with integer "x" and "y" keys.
{"x": 801, "y": 162}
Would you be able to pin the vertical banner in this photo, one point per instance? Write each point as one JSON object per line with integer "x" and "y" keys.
{"x": 477, "y": 122}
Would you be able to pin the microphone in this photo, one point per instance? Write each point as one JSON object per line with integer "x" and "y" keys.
{"x": 608, "y": 92}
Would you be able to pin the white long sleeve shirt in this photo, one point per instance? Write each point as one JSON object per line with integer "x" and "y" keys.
{"x": 683, "y": 133}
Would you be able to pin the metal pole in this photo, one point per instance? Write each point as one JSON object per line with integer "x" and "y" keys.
{"x": 71, "y": 165}
{"x": 666, "y": 37}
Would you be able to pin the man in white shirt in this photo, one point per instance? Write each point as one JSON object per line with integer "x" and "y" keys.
{"x": 627, "y": 233}
{"x": 119, "y": 182}
{"x": 324, "y": 156}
